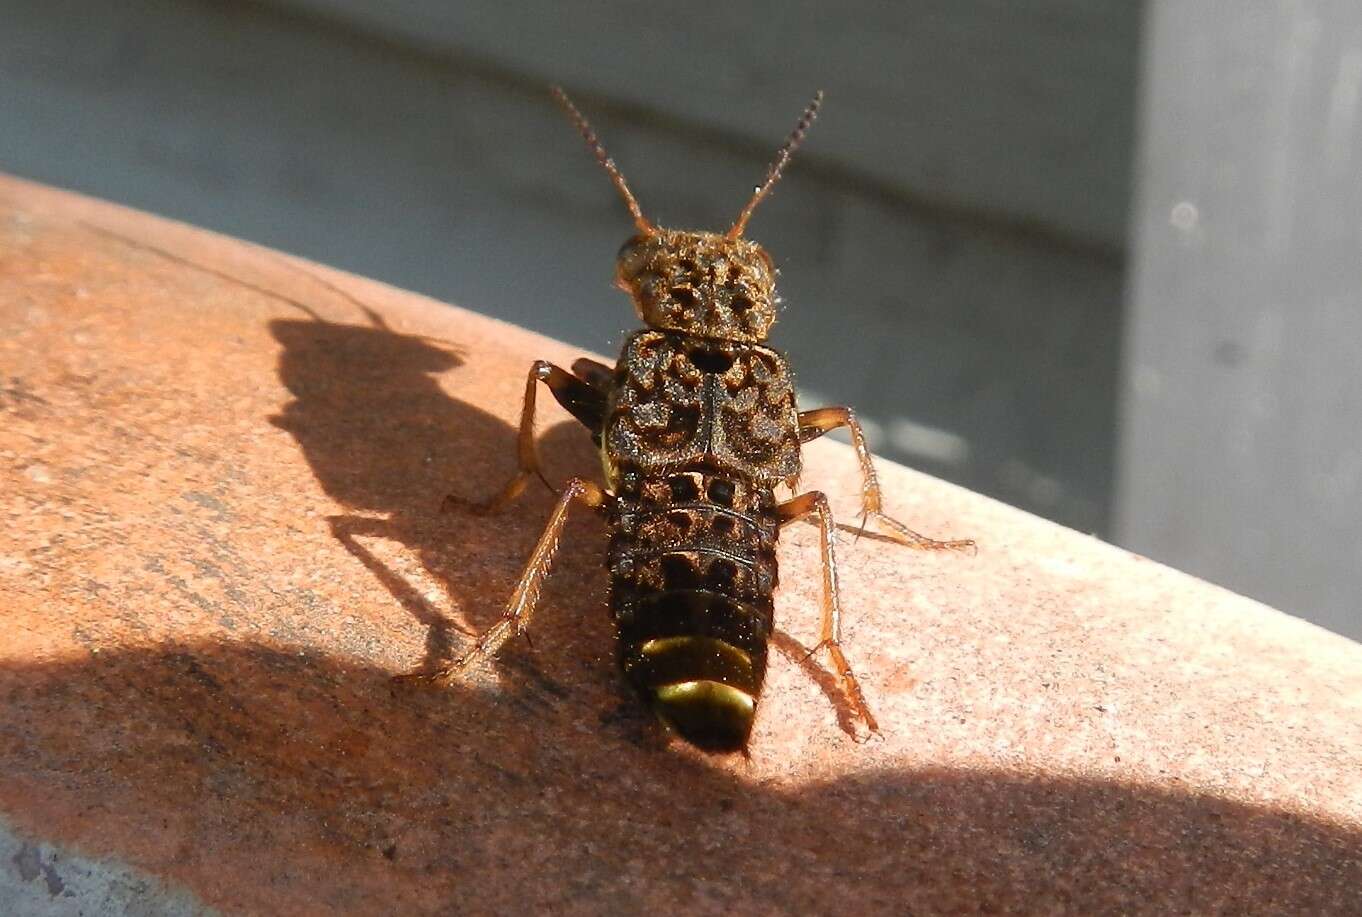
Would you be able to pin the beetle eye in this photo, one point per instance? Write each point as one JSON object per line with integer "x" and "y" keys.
{"x": 631, "y": 254}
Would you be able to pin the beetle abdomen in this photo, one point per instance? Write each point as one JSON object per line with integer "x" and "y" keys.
{"x": 693, "y": 570}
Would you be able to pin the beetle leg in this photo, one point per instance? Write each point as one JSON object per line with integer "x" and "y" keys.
{"x": 579, "y": 398}
{"x": 516, "y": 618}
{"x": 813, "y": 424}
{"x": 797, "y": 508}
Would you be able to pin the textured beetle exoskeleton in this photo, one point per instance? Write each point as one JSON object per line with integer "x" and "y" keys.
{"x": 697, "y": 427}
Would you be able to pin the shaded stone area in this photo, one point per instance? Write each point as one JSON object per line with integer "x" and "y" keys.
{"x": 288, "y": 782}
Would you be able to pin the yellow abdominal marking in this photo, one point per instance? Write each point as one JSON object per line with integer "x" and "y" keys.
{"x": 662, "y": 645}
{"x": 685, "y": 692}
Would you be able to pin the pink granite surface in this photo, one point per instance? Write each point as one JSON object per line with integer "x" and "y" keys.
{"x": 220, "y": 470}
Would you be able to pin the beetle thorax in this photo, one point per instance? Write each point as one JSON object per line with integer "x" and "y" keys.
{"x": 701, "y": 283}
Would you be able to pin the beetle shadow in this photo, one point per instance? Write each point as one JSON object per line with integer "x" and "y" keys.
{"x": 263, "y": 779}
{"x": 386, "y": 441}
{"x": 384, "y": 438}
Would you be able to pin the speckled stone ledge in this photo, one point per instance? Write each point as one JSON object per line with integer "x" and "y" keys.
{"x": 220, "y": 469}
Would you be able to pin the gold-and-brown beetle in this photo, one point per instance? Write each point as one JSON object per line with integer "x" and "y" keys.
{"x": 697, "y": 428}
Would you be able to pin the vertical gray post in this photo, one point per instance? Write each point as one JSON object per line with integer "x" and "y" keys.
{"x": 1241, "y": 443}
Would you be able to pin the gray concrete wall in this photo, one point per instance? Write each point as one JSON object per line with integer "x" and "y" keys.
{"x": 1016, "y": 112}
{"x": 950, "y": 239}
{"x": 1241, "y": 453}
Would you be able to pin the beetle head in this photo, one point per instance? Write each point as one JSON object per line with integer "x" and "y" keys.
{"x": 713, "y": 285}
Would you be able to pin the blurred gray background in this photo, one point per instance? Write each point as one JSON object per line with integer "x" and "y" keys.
{"x": 1095, "y": 258}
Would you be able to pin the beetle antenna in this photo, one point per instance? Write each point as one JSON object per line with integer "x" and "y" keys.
{"x": 773, "y": 174}
{"x": 604, "y": 159}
